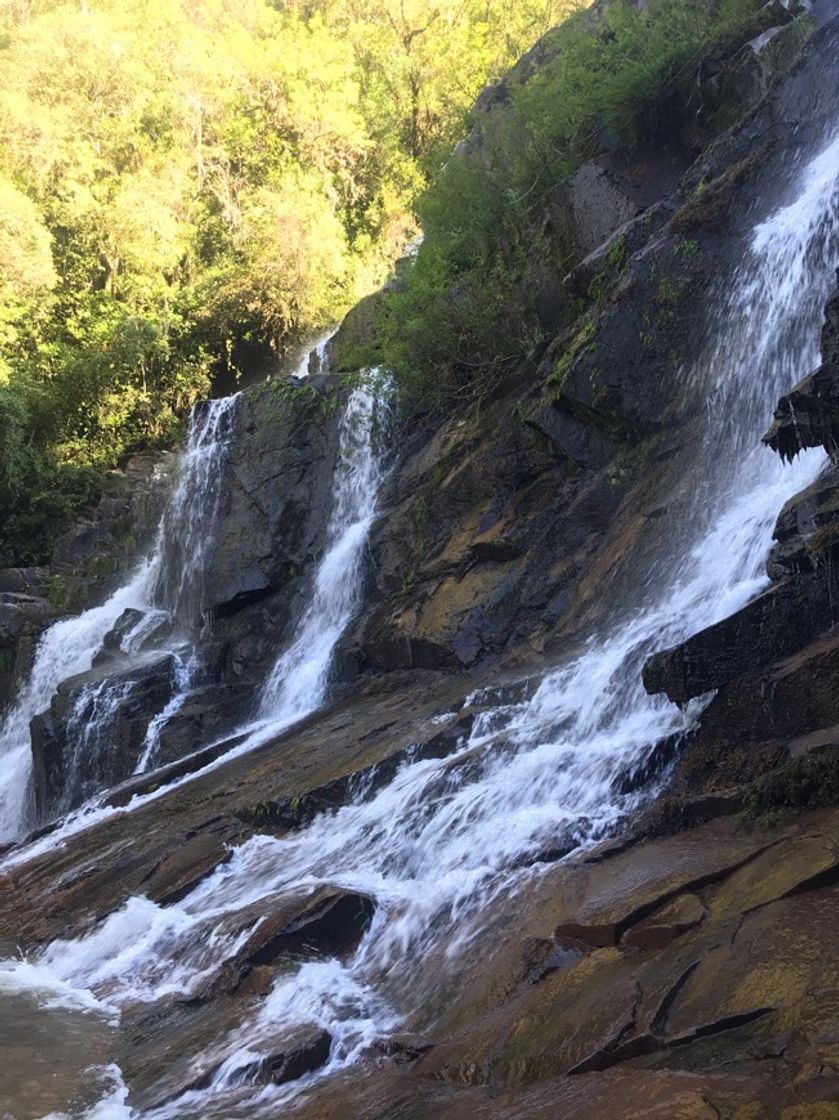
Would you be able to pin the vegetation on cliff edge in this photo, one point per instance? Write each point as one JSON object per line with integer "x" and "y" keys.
{"x": 497, "y": 220}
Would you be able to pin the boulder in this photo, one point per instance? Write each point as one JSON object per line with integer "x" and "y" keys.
{"x": 306, "y": 1051}
{"x": 329, "y": 923}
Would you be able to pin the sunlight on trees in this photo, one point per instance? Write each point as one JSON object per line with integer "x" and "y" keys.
{"x": 190, "y": 186}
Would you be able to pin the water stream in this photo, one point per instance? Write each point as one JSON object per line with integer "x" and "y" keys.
{"x": 67, "y": 648}
{"x": 437, "y": 845}
{"x": 297, "y": 683}
{"x": 167, "y": 589}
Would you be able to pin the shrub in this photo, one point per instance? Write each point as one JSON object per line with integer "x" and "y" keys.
{"x": 494, "y": 220}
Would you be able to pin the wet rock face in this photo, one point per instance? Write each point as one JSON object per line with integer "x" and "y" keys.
{"x": 775, "y": 625}
{"x": 24, "y": 613}
{"x": 500, "y": 532}
{"x": 599, "y": 205}
{"x": 90, "y": 559}
{"x": 680, "y": 943}
{"x": 93, "y": 734}
{"x": 807, "y": 529}
{"x": 801, "y": 605}
{"x": 329, "y": 924}
{"x": 275, "y": 505}
{"x": 808, "y": 416}
{"x": 277, "y": 490}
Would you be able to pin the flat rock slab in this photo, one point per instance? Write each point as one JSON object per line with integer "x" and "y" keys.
{"x": 736, "y": 943}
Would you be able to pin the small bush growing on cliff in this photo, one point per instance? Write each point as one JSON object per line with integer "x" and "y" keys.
{"x": 495, "y": 224}
{"x": 809, "y": 782}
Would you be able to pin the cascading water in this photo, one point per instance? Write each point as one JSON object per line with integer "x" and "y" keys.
{"x": 167, "y": 585}
{"x": 437, "y": 844}
{"x": 184, "y": 545}
{"x": 186, "y": 535}
{"x": 314, "y": 360}
{"x": 67, "y": 648}
{"x": 297, "y": 683}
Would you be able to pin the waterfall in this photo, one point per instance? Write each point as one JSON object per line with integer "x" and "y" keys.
{"x": 65, "y": 649}
{"x": 168, "y": 584}
{"x": 314, "y": 359}
{"x": 184, "y": 546}
{"x": 297, "y": 683}
{"x": 437, "y": 845}
{"x": 186, "y": 535}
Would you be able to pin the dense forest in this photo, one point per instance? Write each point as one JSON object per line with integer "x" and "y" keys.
{"x": 189, "y": 187}
{"x": 194, "y": 186}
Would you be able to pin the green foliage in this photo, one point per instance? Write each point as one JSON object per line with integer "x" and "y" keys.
{"x": 35, "y": 494}
{"x": 189, "y": 187}
{"x": 613, "y": 268}
{"x": 808, "y": 782}
{"x": 469, "y": 307}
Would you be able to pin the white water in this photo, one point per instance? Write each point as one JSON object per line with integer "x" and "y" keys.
{"x": 314, "y": 360}
{"x": 67, "y": 648}
{"x": 442, "y": 840}
{"x": 184, "y": 547}
{"x": 297, "y": 683}
{"x": 168, "y": 584}
{"x": 186, "y": 536}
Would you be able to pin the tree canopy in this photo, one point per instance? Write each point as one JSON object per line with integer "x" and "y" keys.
{"x": 189, "y": 186}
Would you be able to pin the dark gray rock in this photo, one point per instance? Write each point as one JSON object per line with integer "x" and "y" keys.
{"x": 779, "y": 622}
{"x": 599, "y": 204}
{"x": 90, "y": 559}
{"x": 210, "y": 711}
{"x": 808, "y": 416}
{"x": 24, "y": 581}
{"x": 807, "y": 530}
{"x": 23, "y": 617}
{"x": 92, "y": 735}
{"x": 112, "y": 642}
{"x": 277, "y": 490}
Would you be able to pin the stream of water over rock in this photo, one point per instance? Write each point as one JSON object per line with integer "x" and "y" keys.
{"x": 436, "y": 846}
{"x": 166, "y": 588}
